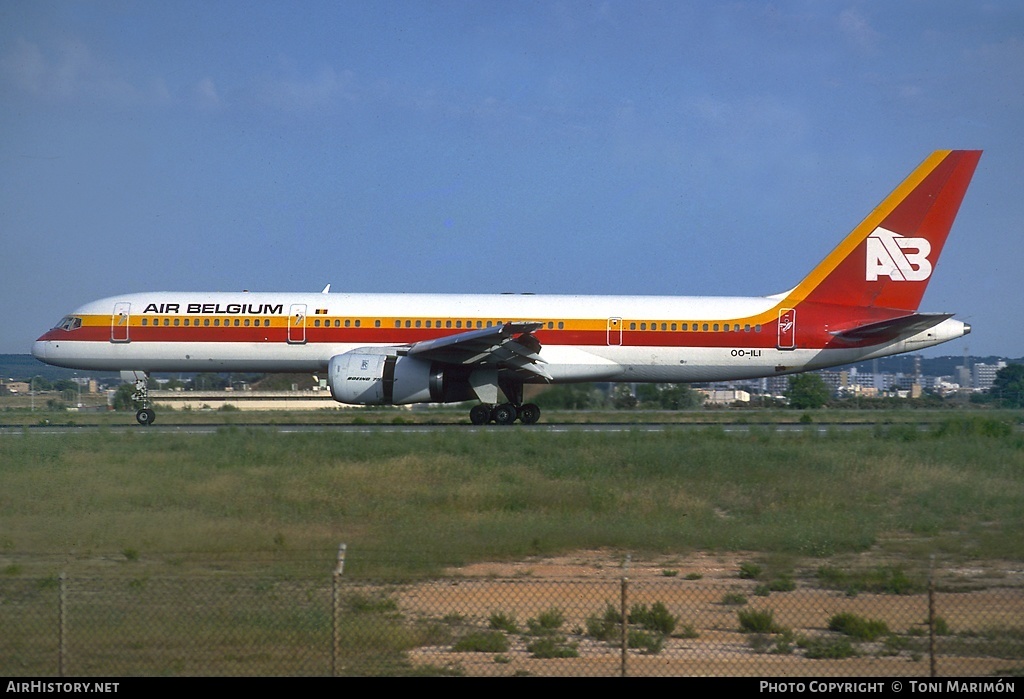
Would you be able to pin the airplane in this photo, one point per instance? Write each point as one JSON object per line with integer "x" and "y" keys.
{"x": 859, "y": 303}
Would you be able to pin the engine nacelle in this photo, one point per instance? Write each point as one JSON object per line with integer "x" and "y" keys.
{"x": 371, "y": 376}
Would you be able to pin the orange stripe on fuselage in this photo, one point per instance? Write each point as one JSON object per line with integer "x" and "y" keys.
{"x": 581, "y": 332}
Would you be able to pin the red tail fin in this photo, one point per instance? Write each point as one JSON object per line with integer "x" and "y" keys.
{"x": 887, "y": 260}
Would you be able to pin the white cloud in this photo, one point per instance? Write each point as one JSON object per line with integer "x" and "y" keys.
{"x": 303, "y": 93}
{"x": 858, "y": 30}
{"x": 206, "y": 94}
{"x": 69, "y": 72}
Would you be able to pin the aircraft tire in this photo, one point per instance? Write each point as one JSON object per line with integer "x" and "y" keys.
{"x": 504, "y": 414}
{"x": 529, "y": 414}
{"x": 146, "y": 416}
{"x": 480, "y": 414}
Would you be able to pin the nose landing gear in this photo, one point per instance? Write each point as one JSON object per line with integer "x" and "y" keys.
{"x": 145, "y": 415}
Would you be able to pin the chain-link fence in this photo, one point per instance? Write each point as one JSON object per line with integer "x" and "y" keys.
{"x": 471, "y": 626}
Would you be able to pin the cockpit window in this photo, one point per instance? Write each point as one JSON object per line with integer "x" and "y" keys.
{"x": 69, "y": 323}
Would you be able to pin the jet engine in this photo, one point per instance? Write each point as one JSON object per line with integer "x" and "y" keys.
{"x": 379, "y": 376}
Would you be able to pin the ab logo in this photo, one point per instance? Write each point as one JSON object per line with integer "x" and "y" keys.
{"x": 901, "y": 259}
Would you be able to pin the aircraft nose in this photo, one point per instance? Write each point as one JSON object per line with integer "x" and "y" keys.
{"x": 39, "y": 350}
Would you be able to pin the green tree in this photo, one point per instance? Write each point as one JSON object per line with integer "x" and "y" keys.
{"x": 581, "y": 396}
{"x": 623, "y": 398}
{"x": 1008, "y": 388}
{"x": 648, "y": 395}
{"x": 123, "y": 397}
{"x": 667, "y": 396}
{"x": 807, "y": 391}
{"x": 679, "y": 396}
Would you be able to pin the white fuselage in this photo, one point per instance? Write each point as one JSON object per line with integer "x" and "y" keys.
{"x": 582, "y": 338}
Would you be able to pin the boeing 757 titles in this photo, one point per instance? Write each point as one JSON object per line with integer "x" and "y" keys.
{"x": 859, "y": 303}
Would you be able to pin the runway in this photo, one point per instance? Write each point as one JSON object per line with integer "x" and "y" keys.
{"x": 550, "y": 428}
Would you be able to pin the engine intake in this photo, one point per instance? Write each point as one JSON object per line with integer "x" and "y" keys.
{"x": 382, "y": 377}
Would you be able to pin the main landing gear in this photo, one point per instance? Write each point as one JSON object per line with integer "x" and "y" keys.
{"x": 504, "y": 414}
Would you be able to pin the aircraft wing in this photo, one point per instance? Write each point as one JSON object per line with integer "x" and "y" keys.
{"x": 507, "y": 346}
{"x": 904, "y": 326}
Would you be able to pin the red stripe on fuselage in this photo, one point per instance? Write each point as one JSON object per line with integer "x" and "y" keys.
{"x": 815, "y": 322}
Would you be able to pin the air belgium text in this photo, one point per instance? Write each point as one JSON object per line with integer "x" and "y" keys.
{"x": 243, "y": 309}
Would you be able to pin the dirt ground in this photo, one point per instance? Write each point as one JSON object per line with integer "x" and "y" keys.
{"x": 975, "y": 603}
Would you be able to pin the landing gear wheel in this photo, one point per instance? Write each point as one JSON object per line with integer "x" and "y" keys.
{"x": 529, "y": 414}
{"x": 480, "y": 414}
{"x": 505, "y": 414}
{"x": 145, "y": 416}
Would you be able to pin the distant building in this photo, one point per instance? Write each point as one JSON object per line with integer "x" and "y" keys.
{"x": 831, "y": 379}
{"x": 776, "y": 385}
{"x": 724, "y": 396}
{"x": 984, "y": 375}
{"x": 963, "y": 376}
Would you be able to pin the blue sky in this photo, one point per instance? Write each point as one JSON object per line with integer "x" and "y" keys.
{"x": 718, "y": 148}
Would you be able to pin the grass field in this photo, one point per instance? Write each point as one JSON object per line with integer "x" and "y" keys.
{"x": 409, "y": 505}
{"x": 210, "y": 553}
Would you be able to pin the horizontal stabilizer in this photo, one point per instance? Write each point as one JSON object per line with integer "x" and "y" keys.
{"x": 885, "y": 330}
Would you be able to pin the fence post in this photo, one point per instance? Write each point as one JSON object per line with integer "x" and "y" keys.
{"x": 62, "y": 620}
{"x": 339, "y": 568}
{"x": 931, "y": 615}
{"x": 623, "y": 611}
{"x": 625, "y": 635}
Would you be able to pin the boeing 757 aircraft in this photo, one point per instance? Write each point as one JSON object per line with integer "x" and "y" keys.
{"x": 859, "y": 303}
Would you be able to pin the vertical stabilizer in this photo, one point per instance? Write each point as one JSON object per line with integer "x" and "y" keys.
{"x": 887, "y": 261}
